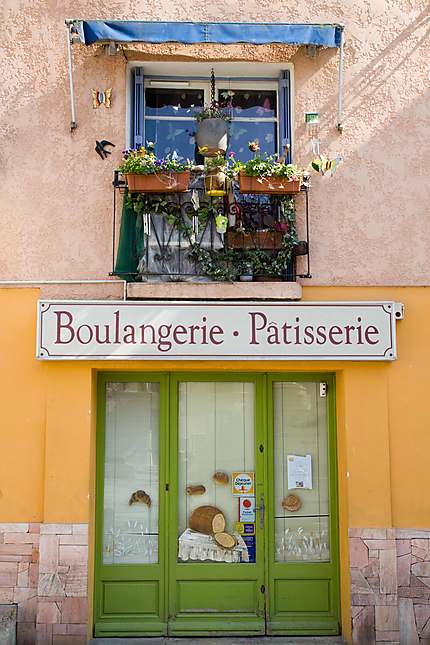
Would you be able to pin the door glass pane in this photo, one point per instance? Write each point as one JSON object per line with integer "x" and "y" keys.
{"x": 131, "y": 478}
{"x": 301, "y": 473}
{"x": 216, "y": 446}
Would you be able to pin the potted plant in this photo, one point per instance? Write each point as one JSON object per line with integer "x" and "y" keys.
{"x": 147, "y": 173}
{"x": 267, "y": 174}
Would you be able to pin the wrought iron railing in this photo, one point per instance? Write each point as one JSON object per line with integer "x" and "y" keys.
{"x": 178, "y": 235}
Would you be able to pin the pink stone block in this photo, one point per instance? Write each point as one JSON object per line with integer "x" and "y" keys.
{"x": 57, "y": 529}
{"x": 59, "y": 629}
{"x": 69, "y": 639}
{"x": 14, "y": 528}
{"x": 408, "y": 628}
{"x": 374, "y": 534}
{"x": 48, "y": 553}
{"x": 79, "y": 539}
{"x": 44, "y": 634}
{"x": 25, "y": 633}
{"x": 34, "y": 528}
{"x": 386, "y": 619}
{"x": 363, "y": 627}
{"x": 403, "y": 547}
{"x": 358, "y": 553}
{"x": 72, "y": 554}
{"x": 33, "y": 575}
{"x": 372, "y": 569}
{"x": 404, "y": 570}
{"x": 27, "y": 610}
{"x": 48, "y": 612}
{"x": 8, "y": 574}
{"x": 23, "y": 578}
{"x": 388, "y": 571}
{"x": 359, "y": 583}
{"x": 15, "y": 549}
{"x": 355, "y": 532}
{"x": 21, "y": 538}
{"x": 80, "y": 528}
{"x": 74, "y": 610}
{"x": 6, "y": 595}
{"x": 380, "y": 544}
{"x": 422, "y": 620}
{"x": 78, "y": 630}
{"x": 26, "y": 593}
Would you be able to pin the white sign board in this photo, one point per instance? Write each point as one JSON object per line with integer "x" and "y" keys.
{"x": 94, "y": 330}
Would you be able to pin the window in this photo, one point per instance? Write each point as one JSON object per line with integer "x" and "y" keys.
{"x": 164, "y": 112}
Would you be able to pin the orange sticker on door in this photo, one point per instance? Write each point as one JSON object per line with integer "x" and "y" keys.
{"x": 242, "y": 483}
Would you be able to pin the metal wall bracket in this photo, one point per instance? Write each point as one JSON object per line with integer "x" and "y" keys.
{"x": 399, "y": 310}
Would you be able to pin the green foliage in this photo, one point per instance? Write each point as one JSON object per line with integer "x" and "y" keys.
{"x": 223, "y": 264}
{"x": 213, "y": 111}
{"x": 268, "y": 166}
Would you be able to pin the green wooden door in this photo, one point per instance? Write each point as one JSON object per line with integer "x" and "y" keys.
{"x": 180, "y": 439}
{"x": 218, "y": 426}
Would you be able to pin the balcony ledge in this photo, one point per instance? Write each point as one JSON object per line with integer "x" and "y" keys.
{"x": 214, "y": 291}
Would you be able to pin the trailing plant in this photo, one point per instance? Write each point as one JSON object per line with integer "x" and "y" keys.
{"x": 213, "y": 111}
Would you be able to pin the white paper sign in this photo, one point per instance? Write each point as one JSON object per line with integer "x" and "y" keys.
{"x": 95, "y": 330}
{"x": 299, "y": 471}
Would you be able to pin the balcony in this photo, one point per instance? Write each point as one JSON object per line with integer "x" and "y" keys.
{"x": 194, "y": 238}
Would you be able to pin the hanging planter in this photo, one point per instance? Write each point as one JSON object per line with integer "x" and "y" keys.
{"x": 212, "y": 134}
{"x": 212, "y": 128}
{"x": 268, "y": 185}
{"x": 174, "y": 182}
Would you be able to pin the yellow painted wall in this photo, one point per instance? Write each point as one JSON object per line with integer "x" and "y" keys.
{"x": 383, "y": 418}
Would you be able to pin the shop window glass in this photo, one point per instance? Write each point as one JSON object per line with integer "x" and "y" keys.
{"x": 301, "y": 473}
{"x": 216, "y": 440}
{"x": 131, "y": 476}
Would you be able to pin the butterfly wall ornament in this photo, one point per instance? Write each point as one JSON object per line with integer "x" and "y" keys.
{"x": 326, "y": 166}
{"x": 102, "y": 98}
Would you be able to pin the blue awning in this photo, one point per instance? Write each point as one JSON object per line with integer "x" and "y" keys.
{"x": 226, "y": 33}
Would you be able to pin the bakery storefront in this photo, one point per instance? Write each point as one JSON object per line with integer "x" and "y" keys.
{"x": 217, "y": 506}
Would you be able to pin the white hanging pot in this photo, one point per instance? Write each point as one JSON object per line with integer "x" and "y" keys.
{"x": 212, "y": 137}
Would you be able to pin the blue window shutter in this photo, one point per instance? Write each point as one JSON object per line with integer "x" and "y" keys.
{"x": 138, "y": 123}
{"x": 285, "y": 113}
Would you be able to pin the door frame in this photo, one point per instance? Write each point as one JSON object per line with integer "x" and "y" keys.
{"x": 166, "y": 569}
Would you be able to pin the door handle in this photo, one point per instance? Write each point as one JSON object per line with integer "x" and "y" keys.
{"x": 261, "y": 510}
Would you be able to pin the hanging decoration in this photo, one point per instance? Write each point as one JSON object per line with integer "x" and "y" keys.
{"x": 101, "y": 98}
{"x": 326, "y": 166}
{"x": 101, "y": 148}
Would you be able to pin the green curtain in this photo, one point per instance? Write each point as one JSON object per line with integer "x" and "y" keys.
{"x": 131, "y": 242}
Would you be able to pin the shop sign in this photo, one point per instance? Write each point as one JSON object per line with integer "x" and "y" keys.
{"x": 94, "y": 330}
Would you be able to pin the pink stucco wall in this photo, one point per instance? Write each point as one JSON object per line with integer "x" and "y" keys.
{"x": 370, "y": 224}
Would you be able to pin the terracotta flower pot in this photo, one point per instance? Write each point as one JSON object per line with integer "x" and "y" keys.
{"x": 175, "y": 182}
{"x": 268, "y": 185}
{"x": 256, "y": 240}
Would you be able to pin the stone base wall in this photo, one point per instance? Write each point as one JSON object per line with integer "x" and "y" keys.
{"x": 390, "y": 586}
{"x": 43, "y": 570}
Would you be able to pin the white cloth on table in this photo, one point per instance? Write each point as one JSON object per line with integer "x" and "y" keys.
{"x": 198, "y": 546}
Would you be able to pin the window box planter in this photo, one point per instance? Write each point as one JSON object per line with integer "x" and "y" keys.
{"x": 268, "y": 185}
{"x": 175, "y": 182}
{"x": 255, "y": 240}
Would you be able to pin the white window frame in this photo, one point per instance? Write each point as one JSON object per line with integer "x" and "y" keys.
{"x": 264, "y": 75}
